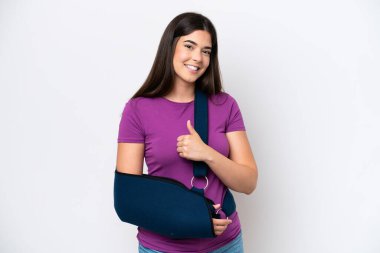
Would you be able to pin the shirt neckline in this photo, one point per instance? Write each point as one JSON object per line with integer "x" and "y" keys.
{"x": 180, "y": 103}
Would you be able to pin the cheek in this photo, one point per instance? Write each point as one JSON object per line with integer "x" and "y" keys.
{"x": 180, "y": 55}
{"x": 206, "y": 63}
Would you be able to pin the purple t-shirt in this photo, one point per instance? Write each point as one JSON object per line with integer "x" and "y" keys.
{"x": 157, "y": 122}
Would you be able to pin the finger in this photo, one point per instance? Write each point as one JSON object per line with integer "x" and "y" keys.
{"x": 216, "y": 206}
{"x": 219, "y": 230}
{"x": 217, "y": 233}
{"x": 190, "y": 127}
{"x": 220, "y": 227}
{"x": 222, "y": 221}
{"x": 183, "y": 138}
{"x": 181, "y": 149}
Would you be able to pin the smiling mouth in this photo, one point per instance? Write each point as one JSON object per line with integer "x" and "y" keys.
{"x": 191, "y": 67}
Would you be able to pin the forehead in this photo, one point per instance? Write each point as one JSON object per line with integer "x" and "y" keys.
{"x": 202, "y": 38}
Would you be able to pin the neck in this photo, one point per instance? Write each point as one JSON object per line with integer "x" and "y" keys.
{"x": 182, "y": 92}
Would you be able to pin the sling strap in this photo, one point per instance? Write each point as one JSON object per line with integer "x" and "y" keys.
{"x": 200, "y": 168}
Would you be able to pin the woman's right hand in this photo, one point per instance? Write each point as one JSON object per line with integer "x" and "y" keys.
{"x": 220, "y": 225}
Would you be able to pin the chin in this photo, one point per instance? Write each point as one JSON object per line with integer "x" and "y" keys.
{"x": 190, "y": 80}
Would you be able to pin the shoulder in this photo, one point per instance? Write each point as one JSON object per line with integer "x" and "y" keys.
{"x": 139, "y": 100}
{"x": 223, "y": 99}
{"x": 142, "y": 103}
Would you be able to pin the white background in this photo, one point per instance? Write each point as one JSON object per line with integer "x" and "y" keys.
{"x": 305, "y": 75}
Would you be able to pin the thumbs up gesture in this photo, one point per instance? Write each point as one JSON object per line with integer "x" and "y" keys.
{"x": 191, "y": 146}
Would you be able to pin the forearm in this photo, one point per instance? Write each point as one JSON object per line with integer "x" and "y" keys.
{"x": 235, "y": 176}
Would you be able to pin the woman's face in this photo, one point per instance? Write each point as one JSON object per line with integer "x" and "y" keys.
{"x": 192, "y": 56}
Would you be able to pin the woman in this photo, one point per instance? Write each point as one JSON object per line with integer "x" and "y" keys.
{"x": 157, "y": 122}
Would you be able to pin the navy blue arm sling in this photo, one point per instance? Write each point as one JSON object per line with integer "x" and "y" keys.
{"x": 166, "y": 206}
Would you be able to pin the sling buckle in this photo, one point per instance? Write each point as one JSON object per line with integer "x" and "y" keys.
{"x": 192, "y": 182}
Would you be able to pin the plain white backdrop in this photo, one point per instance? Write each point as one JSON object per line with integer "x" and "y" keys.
{"x": 305, "y": 75}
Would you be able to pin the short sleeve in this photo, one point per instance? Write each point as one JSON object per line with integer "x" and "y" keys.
{"x": 235, "y": 120}
{"x": 130, "y": 127}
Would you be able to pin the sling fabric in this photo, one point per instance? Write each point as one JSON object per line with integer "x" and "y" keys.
{"x": 163, "y": 206}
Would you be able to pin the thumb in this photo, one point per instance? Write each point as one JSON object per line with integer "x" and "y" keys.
{"x": 191, "y": 128}
{"x": 216, "y": 206}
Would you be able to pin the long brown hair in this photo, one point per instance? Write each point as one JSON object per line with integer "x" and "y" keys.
{"x": 160, "y": 80}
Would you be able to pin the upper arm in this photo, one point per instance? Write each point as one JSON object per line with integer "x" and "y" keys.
{"x": 240, "y": 150}
{"x": 130, "y": 158}
{"x": 131, "y": 140}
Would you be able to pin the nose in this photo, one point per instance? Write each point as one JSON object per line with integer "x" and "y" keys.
{"x": 197, "y": 55}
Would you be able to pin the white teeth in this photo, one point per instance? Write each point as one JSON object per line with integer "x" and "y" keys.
{"x": 192, "y": 67}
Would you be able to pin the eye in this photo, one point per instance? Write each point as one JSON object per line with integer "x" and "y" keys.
{"x": 207, "y": 52}
{"x": 188, "y": 46}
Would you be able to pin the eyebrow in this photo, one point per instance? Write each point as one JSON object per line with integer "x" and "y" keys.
{"x": 192, "y": 42}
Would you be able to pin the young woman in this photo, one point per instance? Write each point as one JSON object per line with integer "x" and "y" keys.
{"x": 157, "y": 123}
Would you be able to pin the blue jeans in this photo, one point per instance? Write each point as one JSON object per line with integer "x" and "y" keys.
{"x": 235, "y": 246}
